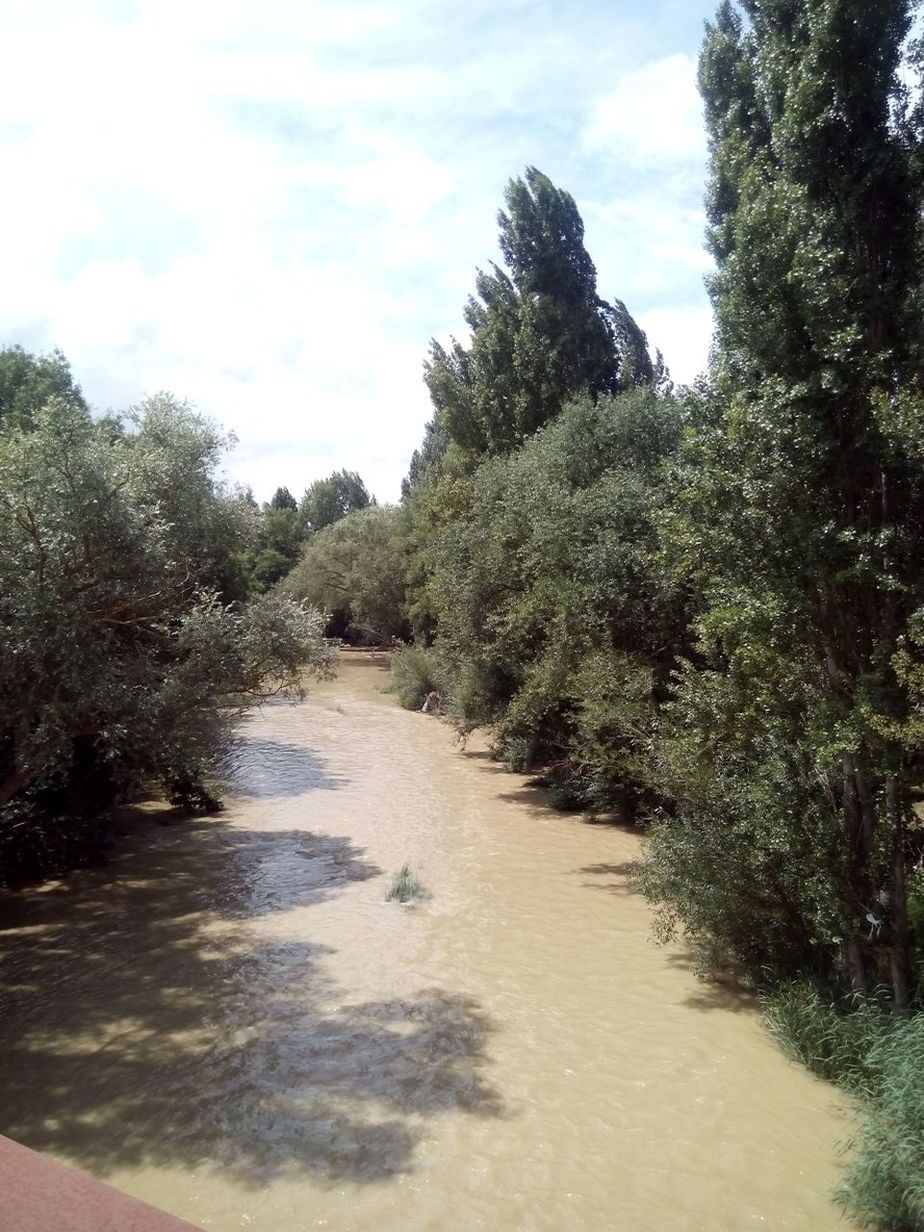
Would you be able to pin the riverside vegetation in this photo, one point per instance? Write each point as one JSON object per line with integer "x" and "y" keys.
{"x": 704, "y": 608}
{"x": 406, "y": 887}
{"x": 701, "y": 608}
{"x": 129, "y": 642}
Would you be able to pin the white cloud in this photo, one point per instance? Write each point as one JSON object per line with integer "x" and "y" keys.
{"x": 269, "y": 210}
{"x": 656, "y": 240}
{"x": 647, "y": 132}
{"x": 403, "y": 180}
{"x": 653, "y": 118}
{"x": 683, "y": 334}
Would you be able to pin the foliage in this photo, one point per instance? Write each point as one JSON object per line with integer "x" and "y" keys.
{"x": 860, "y": 1044}
{"x": 283, "y": 499}
{"x": 120, "y": 661}
{"x": 540, "y": 333}
{"x": 354, "y": 570}
{"x": 787, "y": 756}
{"x": 885, "y": 1184}
{"x": 406, "y": 887}
{"x": 737, "y": 795}
{"x": 833, "y": 1036}
{"x": 279, "y": 541}
{"x": 328, "y": 500}
{"x": 28, "y": 382}
{"x": 415, "y": 672}
{"x": 431, "y": 506}
{"x": 556, "y": 626}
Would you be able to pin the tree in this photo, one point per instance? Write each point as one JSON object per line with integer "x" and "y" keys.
{"x": 540, "y": 334}
{"x": 119, "y": 660}
{"x": 28, "y": 382}
{"x": 800, "y": 517}
{"x": 354, "y": 570}
{"x": 280, "y": 537}
{"x": 327, "y": 500}
{"x": 283, "y": 499}
{"x": 556, "y": 626}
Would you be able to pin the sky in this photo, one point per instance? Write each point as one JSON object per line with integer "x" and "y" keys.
{"x": 269, "y": 208}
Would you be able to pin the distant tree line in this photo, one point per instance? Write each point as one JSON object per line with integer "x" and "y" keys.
{"x": 285, "y": 524}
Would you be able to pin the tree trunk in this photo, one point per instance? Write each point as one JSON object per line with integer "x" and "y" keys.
{"x": 900, "y": 949}
{"x": 11, "y": 784}
{"x": 860, "y": 818}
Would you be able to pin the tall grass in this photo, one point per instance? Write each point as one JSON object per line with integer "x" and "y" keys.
{"x": 834, "y": 1038}
{"x": 406, "y": 887}
{"x": 858, "y": 1043}
{"x": 885, "y": 1185}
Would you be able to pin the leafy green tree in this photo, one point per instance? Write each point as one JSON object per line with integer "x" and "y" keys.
{"x": 330, "y": 499}
{"x": 283, "y": 499}
{"x": 28, "y": 382}
{"x": 439, "y": 495}
{"x": 540, "y": 334}
{"x": 556, "y": 625}
{"x": 119, "y": 660}
{"x": 790, "y": 754}
{"x": 354, "y": 570}
{"x": 280, "y": 537}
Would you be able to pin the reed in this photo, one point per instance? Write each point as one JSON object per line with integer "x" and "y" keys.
{"x": 833, "y": 1036}
{"x": 885, "y": 1183}
{"x": 405, "y": 886}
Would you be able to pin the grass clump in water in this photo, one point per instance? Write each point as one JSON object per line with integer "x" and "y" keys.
{"x": 406, "y": 886}
{"x": 415, "y": 676}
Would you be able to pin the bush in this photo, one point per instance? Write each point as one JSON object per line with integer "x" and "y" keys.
{"x": 415, "y": 674}
{"x": 121, "y": 663}
{"x": 556, "y": 626}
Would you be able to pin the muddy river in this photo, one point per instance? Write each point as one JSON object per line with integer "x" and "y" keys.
{"x": 233, "y": 1023}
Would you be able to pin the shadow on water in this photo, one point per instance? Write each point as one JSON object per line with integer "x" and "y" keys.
{"x": 269, "y": 871}
{"x": 142, "y": 1025}
{"x": 258, "y": 768}
{"x": 620, "y": 878}
{"x": 711, "y": 992}
{"x": 535, "y": 796}
{"x": 714, "y": 993}
{"x": 527, "y": 794}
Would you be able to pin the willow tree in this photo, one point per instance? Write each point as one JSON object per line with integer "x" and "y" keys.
{"x": 119, "y": 662}
{"x": 796, "y": 741}
{"x": 28, "y": 382}
{"x": 557, "y": 625}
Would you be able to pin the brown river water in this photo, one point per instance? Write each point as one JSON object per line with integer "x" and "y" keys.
{"x": 231, "y": 1021}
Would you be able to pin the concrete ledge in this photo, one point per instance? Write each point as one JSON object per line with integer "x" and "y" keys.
{"x": 39, "y": 1195}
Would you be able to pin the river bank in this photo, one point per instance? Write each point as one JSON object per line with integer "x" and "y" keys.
{"x": 233, "y": 1023}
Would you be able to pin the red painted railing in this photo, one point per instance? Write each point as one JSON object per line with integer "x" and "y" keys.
{"x": 39, "y": 1195}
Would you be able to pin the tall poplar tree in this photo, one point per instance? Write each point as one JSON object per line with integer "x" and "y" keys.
{"x": 540, "y": 333}
{"x": 797, "y": 740}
